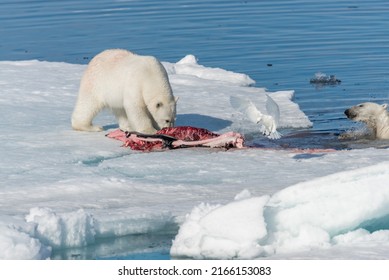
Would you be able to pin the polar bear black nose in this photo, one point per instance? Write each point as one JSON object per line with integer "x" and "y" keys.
{"x": 168, "y": 123}
{"x": 350, "y": 114}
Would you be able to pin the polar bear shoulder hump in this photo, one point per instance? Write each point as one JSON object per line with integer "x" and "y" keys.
{"x": 118, "y": 55}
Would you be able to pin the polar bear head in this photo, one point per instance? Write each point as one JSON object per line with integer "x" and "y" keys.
{"x": 163, "y": 113}
{"x": 375, "y": 116}
{"x": 367, "y": 112}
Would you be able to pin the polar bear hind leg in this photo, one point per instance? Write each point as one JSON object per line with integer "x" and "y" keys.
{"x": 84, "y": 112}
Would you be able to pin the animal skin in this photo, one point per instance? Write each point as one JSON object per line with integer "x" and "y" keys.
{"x": 178, "y": 137}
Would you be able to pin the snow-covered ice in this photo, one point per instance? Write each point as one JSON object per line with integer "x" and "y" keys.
{"x": 342, "y": 209}
{"x": 66, "y": 189}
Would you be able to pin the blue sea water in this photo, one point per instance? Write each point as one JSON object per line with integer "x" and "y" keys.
{"x": 280, "y": 44}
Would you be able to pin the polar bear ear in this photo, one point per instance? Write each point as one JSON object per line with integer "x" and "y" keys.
{"x": 384, "y": 106}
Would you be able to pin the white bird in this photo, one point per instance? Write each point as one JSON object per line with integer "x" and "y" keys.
{"x": 268, "y": 123}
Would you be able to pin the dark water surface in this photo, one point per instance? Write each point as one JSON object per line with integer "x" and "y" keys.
{"x": 280, "y": 44}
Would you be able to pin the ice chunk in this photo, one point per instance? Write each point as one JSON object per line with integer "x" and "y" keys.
{"x": 72, "y": 229}
{"x": 318, "y": 214}
{"x": 323, "y": 79}
{"x": 18, "y": 245}
{"x": 230, "y": 231}
{"x": 189, "y": 66}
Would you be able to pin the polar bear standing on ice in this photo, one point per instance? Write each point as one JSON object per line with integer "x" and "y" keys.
{"x": 136, "y": 88}
{"x": 374, "y": 115}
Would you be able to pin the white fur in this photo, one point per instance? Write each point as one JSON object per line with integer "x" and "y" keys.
{"x": 375, "y": 116}
{"x": 136, "y": 88}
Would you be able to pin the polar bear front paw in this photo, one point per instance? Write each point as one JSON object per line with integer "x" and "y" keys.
{"x": 94, "y": 128}
{"x": 91, "y": 128}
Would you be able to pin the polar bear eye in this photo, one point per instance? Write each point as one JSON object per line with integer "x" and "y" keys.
{"x": 360, "y": 106}
{"x": 159, "y": 105}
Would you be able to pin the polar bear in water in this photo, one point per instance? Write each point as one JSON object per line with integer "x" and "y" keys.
{"x": 374, "y": 115}
{"x": 136, "y": 88}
